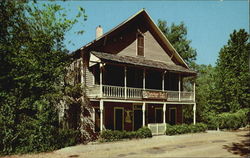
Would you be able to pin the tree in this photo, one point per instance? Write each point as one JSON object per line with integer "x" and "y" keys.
{"x": 33, "y": 58}
{"x": 176, "y": 34}
{"x": 233, "y": 75}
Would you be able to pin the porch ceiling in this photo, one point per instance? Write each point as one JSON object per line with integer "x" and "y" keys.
{"x": 138, "y": 61}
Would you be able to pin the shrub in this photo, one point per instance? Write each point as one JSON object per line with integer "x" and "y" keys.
{"x": 184, "y": 128}
{"x": 228, "y": 120}
{"x": 67, "y": 137}
{"x": 110, "y": 136}
{"x": 144, "y": 132}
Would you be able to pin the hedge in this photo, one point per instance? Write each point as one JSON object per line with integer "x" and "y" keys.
{"x": 233, "y": 121}
{"x": 110, "y": 136}
{"x": 184, "y": 128}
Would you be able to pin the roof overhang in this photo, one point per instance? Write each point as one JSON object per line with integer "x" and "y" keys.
{"x": 97, "y": 57}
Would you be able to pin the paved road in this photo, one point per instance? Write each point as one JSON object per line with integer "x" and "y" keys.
{"x": 210, "y": 144}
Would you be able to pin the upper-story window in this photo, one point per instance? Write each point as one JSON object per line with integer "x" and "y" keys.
{"x": 140, "y": 44}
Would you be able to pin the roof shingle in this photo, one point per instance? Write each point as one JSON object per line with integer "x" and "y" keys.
{"x": 140, "y": 61}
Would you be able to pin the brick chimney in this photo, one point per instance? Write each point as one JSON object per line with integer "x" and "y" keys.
{"x": 99, "y": 31}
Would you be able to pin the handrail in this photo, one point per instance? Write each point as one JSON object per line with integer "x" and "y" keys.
{"x": 137, "y": 93}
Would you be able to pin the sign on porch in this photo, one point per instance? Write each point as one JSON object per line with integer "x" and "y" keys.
{"x": 154, "y": 95}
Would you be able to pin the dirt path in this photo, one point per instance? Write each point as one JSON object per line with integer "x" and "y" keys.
{"x": 210, "y": 144}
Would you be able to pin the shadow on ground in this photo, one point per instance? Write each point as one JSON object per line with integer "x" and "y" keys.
{"x": 242, "y": 148}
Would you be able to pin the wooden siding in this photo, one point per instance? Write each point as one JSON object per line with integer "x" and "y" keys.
{"x": 89, "y": 77}
{"x": 152, "y": 50}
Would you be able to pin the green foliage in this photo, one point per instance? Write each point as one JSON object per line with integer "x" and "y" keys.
{"x": 33, "y": 60}
{"x": 229, "y": 120}
{"x": 110, "y": 136}
{"x": 176, "y": 34}
{"x": 144, "y": 132}
{"x": 67, "y": 137}
{"x": 184, "y": 128}
{"x": 233, "y": 76}
{"x": 225, "y": 87}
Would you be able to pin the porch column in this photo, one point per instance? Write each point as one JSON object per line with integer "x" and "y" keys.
{"x": 194, "y": 91}
{"x": 163, "y": 80}
{"x": 194, "y": 109}
{"x": 143, "y": 114}
{"x": 125, "y": 81}
{"x": 179, "y": 87}
{"x": 101, "y": 115}
{"x": 144, "y": 81}
{"x": 81, "y": 68}
{"x": 93, "y": 114}
{"x": 101, "y": 65}
{"x": 164, "y": 113}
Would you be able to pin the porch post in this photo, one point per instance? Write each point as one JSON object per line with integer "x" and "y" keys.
{"x": 101, "y": 65}
{"x": 81, "y": 68}
{"x": 93, "y": 114}
{"x": 194, "y": 109}
{"x": 101, "y": 115}
{"x": 144, "y": 81}
{"x": 194, "y": 91}
{"x": 164, "y": 113}
{"x": 143, "y": 114}
{"x": 163, "y": 82}
{"x": 125, "y": 81}
{"x": 179, "y": 87}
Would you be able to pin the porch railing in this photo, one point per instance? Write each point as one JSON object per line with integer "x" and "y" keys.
{"x": 137, "y": 93}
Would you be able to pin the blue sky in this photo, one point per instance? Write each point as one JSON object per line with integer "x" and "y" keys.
{"x": 209, "y": 23}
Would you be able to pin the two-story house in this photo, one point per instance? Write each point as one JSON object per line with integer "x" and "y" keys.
{"x": 134, "y": 76}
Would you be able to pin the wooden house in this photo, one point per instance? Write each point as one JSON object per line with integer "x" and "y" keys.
{"x": 134, "y": 76}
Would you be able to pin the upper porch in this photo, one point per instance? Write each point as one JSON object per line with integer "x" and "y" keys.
{"x": 129, "y": 78}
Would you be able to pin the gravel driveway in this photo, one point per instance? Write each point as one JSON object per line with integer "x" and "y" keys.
{"x": 210, "y": 144}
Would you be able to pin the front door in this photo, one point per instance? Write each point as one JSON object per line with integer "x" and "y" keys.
{"x": 137, "y": 119}
{"x": 118, "y": 118}
{"x": 158, "y": 115}
{"x": 172, "y": 116}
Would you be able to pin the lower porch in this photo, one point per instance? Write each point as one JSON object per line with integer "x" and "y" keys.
{"x": 131, "y": 116}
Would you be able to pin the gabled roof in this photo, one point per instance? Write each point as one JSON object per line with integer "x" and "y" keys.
{"x": 159, "y": 33}
{"x": 141, "y": 62}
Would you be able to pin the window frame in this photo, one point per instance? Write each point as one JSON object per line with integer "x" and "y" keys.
{"x": 137, "y": 38}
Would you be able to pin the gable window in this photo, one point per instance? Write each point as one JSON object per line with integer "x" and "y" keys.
{"x": 140, "y": 45}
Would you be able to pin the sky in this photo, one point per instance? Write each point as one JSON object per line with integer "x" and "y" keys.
{"x": 209, "y": 23}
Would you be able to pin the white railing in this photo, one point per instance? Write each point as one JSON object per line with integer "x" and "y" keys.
{"x": 134, "y": 92}
{"x": 173, "y": 95}
{"x": 157, "y": 128}
{"x": 187, "y": 96}
{"x": 113, "y": 91}
{"x": 137, "y": 93}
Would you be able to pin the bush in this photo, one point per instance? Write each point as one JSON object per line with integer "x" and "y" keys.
{"x": 144, "y": 132}
{"x": 110, "y": 136}
{"x": 184, "y": 128}
{"x": 67, "y": 137}
{"x": 232, "y": 121}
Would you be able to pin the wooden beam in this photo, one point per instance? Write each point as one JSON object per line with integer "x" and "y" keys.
{"x": 144, "y": 79}
{"x": 143, "y": 114}
{"x": 179, "y": 87}
{"x": 101, "y": 115}
{"x": 125, "y": 81}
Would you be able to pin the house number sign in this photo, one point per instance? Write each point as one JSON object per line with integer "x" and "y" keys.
{"x": 154, "y": 95}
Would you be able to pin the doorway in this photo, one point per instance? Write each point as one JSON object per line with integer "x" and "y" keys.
{"x": 137, "y": 119}
{"x": 118, "y": 118}
{"x": 172, "y": 116}
{"x": 158, "y": 115}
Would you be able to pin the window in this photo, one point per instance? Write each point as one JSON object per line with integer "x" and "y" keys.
{"x": 140, "y": 45}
